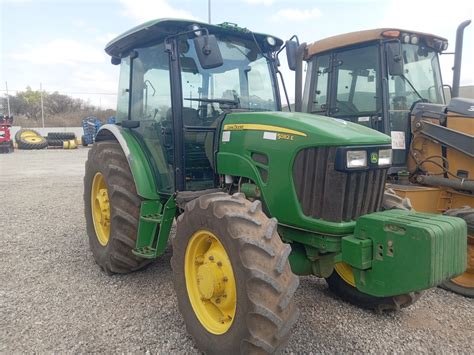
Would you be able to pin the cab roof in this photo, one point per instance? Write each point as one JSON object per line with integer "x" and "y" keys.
{"x": 351, "y": 38}
{"x": 155, "y": 30}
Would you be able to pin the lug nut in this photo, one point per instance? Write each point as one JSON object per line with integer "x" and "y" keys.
{"x": 225, "y": 279}
{"x": 211, "y": 258}
{"x": 219, "y": 263}
{"x": 218, "y": 300}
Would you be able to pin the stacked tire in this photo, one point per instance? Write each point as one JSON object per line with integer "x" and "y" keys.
{"x": 57, "y": 139}
{"x": 30, "y": 139}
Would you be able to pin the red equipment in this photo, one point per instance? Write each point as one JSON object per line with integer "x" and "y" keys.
{"x": 6, "y": 143}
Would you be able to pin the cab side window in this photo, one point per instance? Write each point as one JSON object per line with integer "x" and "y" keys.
{"x": 123, "y": 92}
{"x": 151, "y": 105}
{"x": 321, "y": 75}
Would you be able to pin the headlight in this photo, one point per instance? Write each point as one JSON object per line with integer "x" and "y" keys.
{"x": 414, "y": 40}
{"x": 271, "y": 41}
{"x": 385, "y": 157}
{"x": 356, "y": 159}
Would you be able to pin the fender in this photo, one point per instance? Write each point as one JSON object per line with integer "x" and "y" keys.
{"x": 140, "y": 167}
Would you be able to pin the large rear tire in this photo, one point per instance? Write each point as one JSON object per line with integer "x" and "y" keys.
{"x": 232, "y": 277}
{"x": 464, "y": 283}
{"x": 112, "y": 209}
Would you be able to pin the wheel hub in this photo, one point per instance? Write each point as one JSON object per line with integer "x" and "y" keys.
{"x": 210, "y": 281}
{"x": 100, "y": 209}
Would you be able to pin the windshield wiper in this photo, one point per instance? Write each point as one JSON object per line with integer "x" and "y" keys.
{"x": 411, "y": 85}
{"x": 219, "y": 101}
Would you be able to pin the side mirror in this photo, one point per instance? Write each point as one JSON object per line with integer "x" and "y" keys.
{"x": 208, "y": 51}
{"x": 115, "y": 60}
{"x": 394, "y": 58}
{"x": 291, "y": 49}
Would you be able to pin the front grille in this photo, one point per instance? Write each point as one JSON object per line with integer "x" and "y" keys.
{"x": 335, "y": 196}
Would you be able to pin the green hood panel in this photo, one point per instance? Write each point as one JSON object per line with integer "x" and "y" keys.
{"x": 320, "y": 130}
{"x": 262, "y": 146}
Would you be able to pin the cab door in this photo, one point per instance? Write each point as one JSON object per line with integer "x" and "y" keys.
{"x": 356, "y": 90}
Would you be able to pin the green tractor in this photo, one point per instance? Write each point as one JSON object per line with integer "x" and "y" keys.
{"x": 258, "y": 195}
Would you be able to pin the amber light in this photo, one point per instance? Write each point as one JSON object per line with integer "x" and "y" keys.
{"x": 391, "y": 33}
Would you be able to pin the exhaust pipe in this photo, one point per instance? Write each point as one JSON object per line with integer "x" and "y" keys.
{"x": 458, "y": 57}
{"x": 467, "y": 185}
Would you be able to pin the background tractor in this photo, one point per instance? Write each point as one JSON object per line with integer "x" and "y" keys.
{"x": 6, "y": 142}
{"x": 259, "y": 195}
{"x": 390, "y": 80}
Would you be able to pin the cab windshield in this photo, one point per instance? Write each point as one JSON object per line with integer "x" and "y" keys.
{"x": 421, "y": 79}
{"x": 244, "y": 81}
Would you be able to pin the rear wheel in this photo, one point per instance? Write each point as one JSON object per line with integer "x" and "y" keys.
{"x": 464, "y": 283}
{"x": 112, "y": 209}
{"x": 232, "y": 277}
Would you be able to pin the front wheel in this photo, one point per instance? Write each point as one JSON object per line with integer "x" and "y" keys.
{"x": 342, "y": 283}
{"x": 464, "y": 283}
{"x": 112, "y": 209}
{"x": 232, "y": 277}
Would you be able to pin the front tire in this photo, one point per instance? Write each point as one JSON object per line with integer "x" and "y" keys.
{"x": 342, "y": 283}
{"x": 464, "y": 283}
{"x": 112, "y": 209}
{"x": 243, "y": 259}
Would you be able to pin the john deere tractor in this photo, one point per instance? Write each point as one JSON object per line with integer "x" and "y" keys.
{"x": 259, "y": 195}
{"x": 390, "y": 80}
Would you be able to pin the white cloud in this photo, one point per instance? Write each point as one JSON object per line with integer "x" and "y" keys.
{"x": 60, "y": 51}
{"x": 290, "y": 14}
{"x": 145, "y": 10}
{"x": 259, "y": 2}
{"x": 439, "y": 18}
{"x": 106, "y": 38}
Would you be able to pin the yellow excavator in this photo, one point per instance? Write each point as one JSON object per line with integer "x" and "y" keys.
{"x": 390, "y": 80}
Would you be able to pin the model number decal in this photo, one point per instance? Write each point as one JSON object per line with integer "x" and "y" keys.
{"x": 286, "y": 132}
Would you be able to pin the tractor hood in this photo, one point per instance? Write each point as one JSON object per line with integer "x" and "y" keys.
{"x": 311, "y": 130}
{"x": 282, "y": 151}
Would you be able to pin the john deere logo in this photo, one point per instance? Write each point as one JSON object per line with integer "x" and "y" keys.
{"x": 374, "y": 158}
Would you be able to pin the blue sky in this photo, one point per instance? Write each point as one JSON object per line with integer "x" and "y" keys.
{"x": 60, "y": 43}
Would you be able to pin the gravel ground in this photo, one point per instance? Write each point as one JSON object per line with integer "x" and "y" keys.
{"x": 53, "y": 296}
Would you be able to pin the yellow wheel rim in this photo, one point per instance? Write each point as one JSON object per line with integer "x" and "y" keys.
{"x": 210, "y": 282}
{"x": 344, "y": 270}
{"x": 32, "y": 139}
{"x": 25, "y": 134}
{"x": 100, "y": 209}
{"x": 467, "y": 279}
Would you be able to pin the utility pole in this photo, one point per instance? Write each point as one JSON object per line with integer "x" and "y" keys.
{"x": 209, "y": 11}
{"x": 42, "y": 107}
{"x": 8, "y": 99}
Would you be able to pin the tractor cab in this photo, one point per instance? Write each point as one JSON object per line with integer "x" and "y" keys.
{"x": 174, "y": 91}
{"x": 374, "y": 78}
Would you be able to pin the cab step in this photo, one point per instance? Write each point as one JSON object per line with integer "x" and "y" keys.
{"x": 145, "y": 252}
